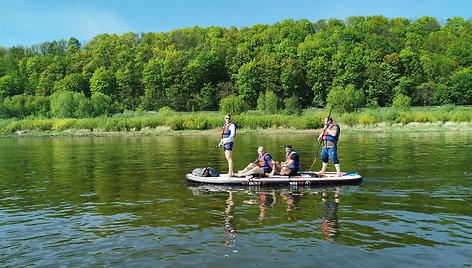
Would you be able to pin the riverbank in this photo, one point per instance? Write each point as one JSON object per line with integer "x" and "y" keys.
{"x": 167, "y": 131}
{"x": 209, "y": 123}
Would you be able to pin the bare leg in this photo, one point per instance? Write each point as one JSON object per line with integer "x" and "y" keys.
{"x": 249, "y": 167}
{"x": 338, "y": 169}
{"x": 255, "y": 169}
{"x": 323, "y": 169}
{"x": 285, "y": 171}
{"x": 229, "y": 158}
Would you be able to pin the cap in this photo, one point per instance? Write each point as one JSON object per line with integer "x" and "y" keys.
{"x": 260, "y": 148}
{"x": 288, "y": 146}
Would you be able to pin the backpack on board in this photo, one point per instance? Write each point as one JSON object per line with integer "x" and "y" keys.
{"x": 205, "y": 172}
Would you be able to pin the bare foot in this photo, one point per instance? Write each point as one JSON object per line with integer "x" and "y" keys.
{"x": 338, "y": 174}
{"x": 321, "y": 173}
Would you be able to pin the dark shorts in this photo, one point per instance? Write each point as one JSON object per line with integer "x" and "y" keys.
{"x": 293, "y": 172}
{"x": 228, "y": 146}
{"x": 330, "y": 153}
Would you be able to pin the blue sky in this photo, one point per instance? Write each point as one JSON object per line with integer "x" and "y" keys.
{"x": 28, "y": 22}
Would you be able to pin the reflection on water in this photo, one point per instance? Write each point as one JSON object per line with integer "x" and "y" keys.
{"x": 330, "y": 225}
{"x": 230, "y": 233}
{"x": 123, "y": 201}
{"x": 265, "y": 200}
{"x": 323, "y": 203}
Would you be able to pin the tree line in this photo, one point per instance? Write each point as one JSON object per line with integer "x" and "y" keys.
{"x": 359, "y": 61}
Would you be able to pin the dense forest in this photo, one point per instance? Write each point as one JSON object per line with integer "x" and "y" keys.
{"x": 368, "y": 61}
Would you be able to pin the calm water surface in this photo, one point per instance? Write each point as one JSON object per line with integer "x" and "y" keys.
{"x": 123, "y": 201}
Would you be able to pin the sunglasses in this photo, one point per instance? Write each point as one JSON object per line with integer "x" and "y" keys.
{"x": 227, "y": 117}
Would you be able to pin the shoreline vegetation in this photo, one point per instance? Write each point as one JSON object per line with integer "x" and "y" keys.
{"x": 168, "y": 122}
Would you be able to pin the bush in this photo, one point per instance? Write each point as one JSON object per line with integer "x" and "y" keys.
{"x": 166, "y": 111}
{"x": 261, "y": 103}
{"x": 85, "y": 109}
{"x": 41, "y": 106}
{"x": 12, "y": 126}
{"x": 346, "y": 99}
{"x": 87, "y": 123}
{"x": 365, "y": 119}
{"x": 175, "y": 122}
{"x": 292, "y": 106}
{"x": 63, "y": 124}
{"x": 404, "y": 118}
{"x": 424, "y": 117}
{"x": 154, "y": 121}
{"x": 232, "y": 105}
{"x": 460, "y": 116}
{"x": 349, "y": 119}
{"x": 65, "y": 103}
{"x": 123, "y": 124}
{"x": 271, "y": 102}
{"x": 401, "y": 101}
{"x": 197, "y": 122}
{"x": 372, "y": 104}
{"x": 254, "y": 122}
{"x": 21, "y": 106}
{"x": 390, "y": 115}
{"x": 308, "y": 122}
{"x": 42, "y": 124}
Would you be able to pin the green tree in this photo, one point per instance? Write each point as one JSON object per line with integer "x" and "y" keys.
{"x": 102, "y": 81}
{"x": 74, "y": 82}
{"x": 442, "y": 95}
{"x": 248, "y": 83}
{"x": 48, "y": 78}
{"x": 154, "y": 86}
{"x": 102, "y": 104}
{"x": 293, "y": 81}
{"x": 461, "y": 86}
{"x": 8, "y": 86}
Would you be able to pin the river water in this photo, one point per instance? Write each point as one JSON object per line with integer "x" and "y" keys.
{"x": 124, "y": 201}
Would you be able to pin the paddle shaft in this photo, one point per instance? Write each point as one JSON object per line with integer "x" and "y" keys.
{"x": 321, "y": 141}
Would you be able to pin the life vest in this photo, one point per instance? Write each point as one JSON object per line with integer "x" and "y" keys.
{"x": 225, "y": 133}
{"x": 263, "y": 163}
{"x": 328, "y": 137}
{"x": 296, "y": 164}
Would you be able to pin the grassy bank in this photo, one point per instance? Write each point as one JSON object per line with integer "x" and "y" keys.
{"x": 169, "y": 122}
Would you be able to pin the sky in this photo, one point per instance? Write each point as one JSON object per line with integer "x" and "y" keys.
{"x": 30, "y": 22}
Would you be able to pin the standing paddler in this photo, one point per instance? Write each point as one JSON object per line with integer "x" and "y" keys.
{"x": 227, "y": 140}
{"x": 330, "y": 136}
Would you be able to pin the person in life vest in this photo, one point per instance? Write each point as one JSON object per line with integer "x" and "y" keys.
{"x": 291, "y": 165}
{"x": 262, "y": 165}
{"x": 330, "y": 136}
{"x": 227, "y": 139}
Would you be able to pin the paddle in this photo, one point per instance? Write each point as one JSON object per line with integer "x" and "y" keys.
{"x": 321, "y": 141}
